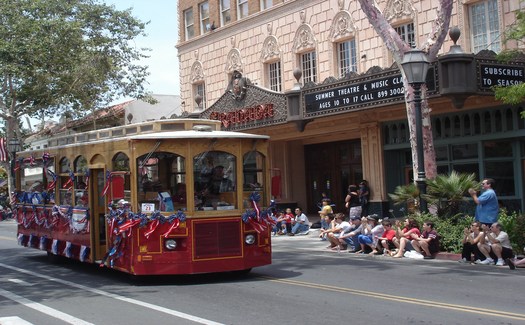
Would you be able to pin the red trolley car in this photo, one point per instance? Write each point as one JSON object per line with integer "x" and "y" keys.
{"x": 166, "y": 197}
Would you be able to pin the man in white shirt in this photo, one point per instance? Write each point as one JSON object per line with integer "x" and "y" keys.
{"x": 341, "y": 226}
{"x": 300, "y": 224}
{"x": 496, "y": 242}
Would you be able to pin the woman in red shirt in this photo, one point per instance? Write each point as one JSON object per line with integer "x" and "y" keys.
{"x": 404, "y": 236}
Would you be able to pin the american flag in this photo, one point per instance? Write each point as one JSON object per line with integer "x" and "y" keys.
{"x": 3, "y": 150}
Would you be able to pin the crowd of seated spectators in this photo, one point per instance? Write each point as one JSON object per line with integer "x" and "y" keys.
{"x": 482, "y": 244}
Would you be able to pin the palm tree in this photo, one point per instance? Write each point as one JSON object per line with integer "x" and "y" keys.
{"x": 406, "y": 194}
{"x": 447, "y": 192}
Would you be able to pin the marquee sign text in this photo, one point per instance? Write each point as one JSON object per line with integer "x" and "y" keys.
{"x": 244, "y": 115}
{"x": 498, "y": 75}
{"x": 356, "y": 93}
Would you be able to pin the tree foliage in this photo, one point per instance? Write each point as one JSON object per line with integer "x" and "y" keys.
{"x": 514, "y": 94}
{"x": 61, "y": 56}
{"x": 448, "y": 191}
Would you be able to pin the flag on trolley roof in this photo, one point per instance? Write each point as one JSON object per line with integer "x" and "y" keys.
{"x": 3, "y": 150}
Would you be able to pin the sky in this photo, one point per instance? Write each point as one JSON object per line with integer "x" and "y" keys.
{"x": 162, "y": 35}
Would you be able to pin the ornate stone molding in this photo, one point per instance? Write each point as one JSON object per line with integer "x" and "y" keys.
{"x": 270, "y": 50}
{"x": 234, "y": 59}
{"x": 197, "y": 72}
{"x": 342, "y": 26}
{"x": 397, "y": 9}
{"x": 304, "y": 39}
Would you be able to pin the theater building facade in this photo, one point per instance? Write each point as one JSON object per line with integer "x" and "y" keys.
{"x": 315, "y": 77}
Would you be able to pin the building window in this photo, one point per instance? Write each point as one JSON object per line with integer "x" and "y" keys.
{"x": 242, "y": 9}
{"x": 274, "y": 76}
{"x": 188, "y": 23}
{"x": 225, "y": 12}
{"x": 484, "y": 26}
{"x": 309, "y": 65}
{"x": 265, "y": 4}
{"x": 200, "y": 89}
{"x": 407, "y": 34}
{"x": 204, "y": 13}
{"x": 346, "y": 57}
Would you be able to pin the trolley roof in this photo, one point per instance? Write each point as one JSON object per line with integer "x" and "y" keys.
{"x": 183, "y": 128}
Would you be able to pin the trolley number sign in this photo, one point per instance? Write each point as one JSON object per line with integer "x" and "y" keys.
{"x": 368, "y": 92}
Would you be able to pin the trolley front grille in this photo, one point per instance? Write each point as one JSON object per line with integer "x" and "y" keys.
{"x": 215, "y": 239}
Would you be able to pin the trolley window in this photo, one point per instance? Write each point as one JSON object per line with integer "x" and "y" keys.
{"x": 215, "y": 181}
{"x": 162, "y": 182}
{"x": 253, "y": 171}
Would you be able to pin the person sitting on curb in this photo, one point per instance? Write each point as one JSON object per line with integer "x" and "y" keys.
{"x": 300, "y": 224}
{"x": 404, "y": 236}
{"x": 369, "y": 235}
{"x": 428, "y": 242}
{"x": 514, "y": 263}
{"x": 386, "y": 239}
{"x": 326, "y": 208}
{"x": 496, "y": 242}
{"x": 331, "y": 225}
{"x": 333, "y": 234}
{"x": 351, "y": 237}
{"x": 471, "y": 238}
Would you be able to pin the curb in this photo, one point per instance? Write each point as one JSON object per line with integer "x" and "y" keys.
{"x": 448, "y": 256}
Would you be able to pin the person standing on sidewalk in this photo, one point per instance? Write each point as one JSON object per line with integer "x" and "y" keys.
{"x": 487, "y": 203}
{"x": 352, "y": 202}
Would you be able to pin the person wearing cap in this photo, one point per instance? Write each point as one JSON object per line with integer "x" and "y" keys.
{"x": 428, "y": 242}
{"x": 369, "y": 235}
{"x": 351, "y": 237}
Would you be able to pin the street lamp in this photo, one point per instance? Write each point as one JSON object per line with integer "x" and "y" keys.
{"x": 14, "y": 146}
{"x": 415, "y": 64}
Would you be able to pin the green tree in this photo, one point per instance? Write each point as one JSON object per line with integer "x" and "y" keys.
{"x": 514, "y": 94}
{"x": 406, "y": 194}
{"x": 60, "y": 56}
{"x": 447, "y": 192}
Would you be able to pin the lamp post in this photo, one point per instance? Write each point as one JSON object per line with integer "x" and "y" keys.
{"x": 13, "y": 145}
{"x": 415, "y": 65}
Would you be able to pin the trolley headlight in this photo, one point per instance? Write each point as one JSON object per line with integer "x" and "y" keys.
{"x": 249, "y": 239}
{"x": 170, "y": 244}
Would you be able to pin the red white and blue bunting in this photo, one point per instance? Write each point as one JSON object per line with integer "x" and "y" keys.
{"x": 121, "y": 222}
{"x": 259, "y": 220}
